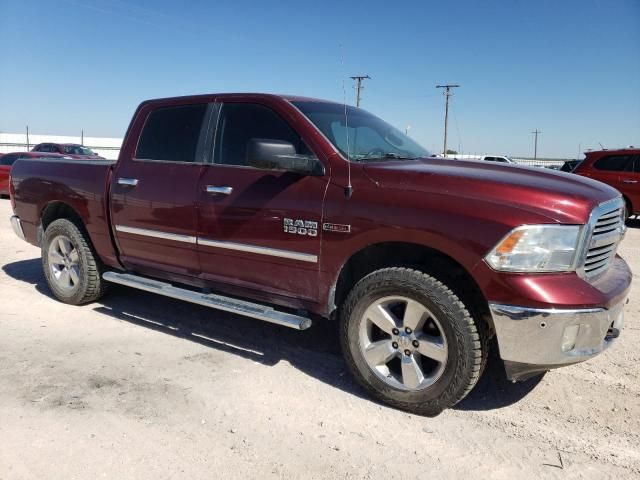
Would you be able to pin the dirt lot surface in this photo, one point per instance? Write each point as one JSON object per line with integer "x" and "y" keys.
{"x": 140, "y": 386}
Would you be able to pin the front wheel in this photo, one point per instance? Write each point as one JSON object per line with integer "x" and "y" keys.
{"x": 410, "y": 341}
{"x": 71, "y": 267}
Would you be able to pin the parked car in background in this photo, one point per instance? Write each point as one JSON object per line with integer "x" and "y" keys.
{"x": 6, "y": 162}
{"x": 72, "y": 150}
{"x": 617, "y": 168}
{"x": 497, "y": 158}
{"x": 570, "y": 165}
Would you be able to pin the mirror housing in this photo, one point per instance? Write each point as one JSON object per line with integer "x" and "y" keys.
{"x": 268, "y": 154}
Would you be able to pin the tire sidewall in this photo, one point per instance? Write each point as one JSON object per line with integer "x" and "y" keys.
{"x": 68, "y": 229}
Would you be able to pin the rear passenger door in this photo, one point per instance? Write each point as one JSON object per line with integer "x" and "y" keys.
{"x": 153, "y": 191}
{"x": 259, "y": 229}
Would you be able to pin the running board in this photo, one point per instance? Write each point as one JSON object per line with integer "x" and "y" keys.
{"x": 248, "y": 309}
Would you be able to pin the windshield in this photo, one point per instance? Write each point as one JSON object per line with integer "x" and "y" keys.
{"x": 77, "y": 150}
{"x": 369, "y": 137}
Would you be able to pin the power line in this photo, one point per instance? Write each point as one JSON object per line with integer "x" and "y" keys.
{"x": 359, "y": 86}
{"x": 535, "y": 143}
{"x": 447, "y": 94}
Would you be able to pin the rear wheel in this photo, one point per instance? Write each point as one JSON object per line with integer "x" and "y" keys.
{"x": 410, "y": 341}
{"x": 70, "y": 265}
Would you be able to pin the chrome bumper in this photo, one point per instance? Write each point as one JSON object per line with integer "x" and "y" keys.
{"x": 17, "y": 226}
{"x": 534, "y": 340}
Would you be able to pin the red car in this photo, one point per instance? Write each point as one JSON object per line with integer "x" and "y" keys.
{"x": 7, "y": 160}
{"x": 72, "y": 150}
{"x": 617, "y": 168}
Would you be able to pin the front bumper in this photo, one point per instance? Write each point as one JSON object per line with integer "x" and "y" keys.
{"x": 17, "y": 226}
{"x": 535, "y": 340}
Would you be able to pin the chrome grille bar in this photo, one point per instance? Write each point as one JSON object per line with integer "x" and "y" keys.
{"x": 604, "y": 232}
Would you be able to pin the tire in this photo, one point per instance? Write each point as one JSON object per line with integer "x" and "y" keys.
{"x": 455, "y": 353}
{"x": 628, "y": 209}
{"x": 74, "y": 276}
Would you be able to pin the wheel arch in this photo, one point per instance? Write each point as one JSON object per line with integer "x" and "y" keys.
{"x": 420, "y": 257}
{"x": 56, "y": 210}
{"x": 628, "y": 205}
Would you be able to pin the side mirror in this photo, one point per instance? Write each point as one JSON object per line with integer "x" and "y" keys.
{"x": 280, "y": 155}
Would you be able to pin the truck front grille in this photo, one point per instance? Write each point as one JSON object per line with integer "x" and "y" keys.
{"x": 607, "y": 232}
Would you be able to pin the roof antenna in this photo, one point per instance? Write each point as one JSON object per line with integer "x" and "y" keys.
{"x": 601, "y": 146}
{"x": 348, "y": 191}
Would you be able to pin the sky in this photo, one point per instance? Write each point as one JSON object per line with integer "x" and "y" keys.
{"x": 569, "y": 68}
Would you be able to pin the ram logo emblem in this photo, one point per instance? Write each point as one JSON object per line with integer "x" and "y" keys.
{"x": 301, "y": 227}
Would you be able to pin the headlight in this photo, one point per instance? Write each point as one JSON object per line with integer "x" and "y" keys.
{"x": 537, "y": 248}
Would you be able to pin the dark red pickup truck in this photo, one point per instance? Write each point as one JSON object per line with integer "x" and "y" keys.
{"x": 292, "y": 209}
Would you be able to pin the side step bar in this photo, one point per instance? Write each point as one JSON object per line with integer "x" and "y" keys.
{"x": 240, "y": 307}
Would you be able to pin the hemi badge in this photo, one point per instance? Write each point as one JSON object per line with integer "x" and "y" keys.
{"x": 336, "y": 227}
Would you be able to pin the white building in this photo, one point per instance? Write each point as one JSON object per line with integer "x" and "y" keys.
{"x": 17, "y": 142}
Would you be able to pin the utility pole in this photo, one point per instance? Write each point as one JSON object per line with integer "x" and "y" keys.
{"x": 82, "y": 137}
{"x": 359, "y": 87}
{"x": 535, "y": 143}
{"x": 447, "y": 94}
{"x": 28, "y": 146}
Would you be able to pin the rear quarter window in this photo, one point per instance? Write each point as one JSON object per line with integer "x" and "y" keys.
{"x": 612, "y": 163}
{"x": 172, "y": 133}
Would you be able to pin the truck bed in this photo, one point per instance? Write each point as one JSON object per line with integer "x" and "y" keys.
{"x": 41, "y": 183}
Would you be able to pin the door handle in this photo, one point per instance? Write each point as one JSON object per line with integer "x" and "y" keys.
{"x": 213, "y": 190}
{"x": 629, "y": 181}
{"x": 128, "y": 182}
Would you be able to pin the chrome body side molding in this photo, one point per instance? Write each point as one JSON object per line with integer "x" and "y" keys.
{"x": 156, "y": 234}
{"x": 273, "y": 252}
{"x": 206, "y": 242}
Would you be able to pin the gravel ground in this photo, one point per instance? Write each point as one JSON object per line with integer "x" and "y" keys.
{"x": 141, "y": 386}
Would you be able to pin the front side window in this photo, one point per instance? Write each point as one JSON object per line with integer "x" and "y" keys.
{"x": 172, "y": 133}
{"x": 612, "y": 163}
{"x": 239, "y": 123}
{"x": 359, "y": 135}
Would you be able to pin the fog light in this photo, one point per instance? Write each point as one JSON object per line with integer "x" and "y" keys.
{"x": 569, "y": 337}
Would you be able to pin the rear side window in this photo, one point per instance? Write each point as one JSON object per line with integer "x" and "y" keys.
{"x": 172, "y": 133}
{"x": 240, "y": 122}
{"x": 612, "y": 163}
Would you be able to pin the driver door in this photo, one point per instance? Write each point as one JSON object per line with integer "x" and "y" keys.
{"x": 258, "y": 229}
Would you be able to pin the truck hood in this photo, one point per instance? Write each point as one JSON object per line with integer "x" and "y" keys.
{"x": 560, "y": 197}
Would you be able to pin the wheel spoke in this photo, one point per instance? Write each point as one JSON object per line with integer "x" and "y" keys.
{"x": 432, "y": 347}
{"x": 74, "y": 274}
{"x": 64, "y": 245}
{"x": 412, "y": 375}
{"x": 379, "y": 353}
{"x": 65, "y": 278}
{"x": 382, "y": 317}
{"x": 55, "y": 258}
{"x": 73, "y": 256}
{"x": 414, "y": 315}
